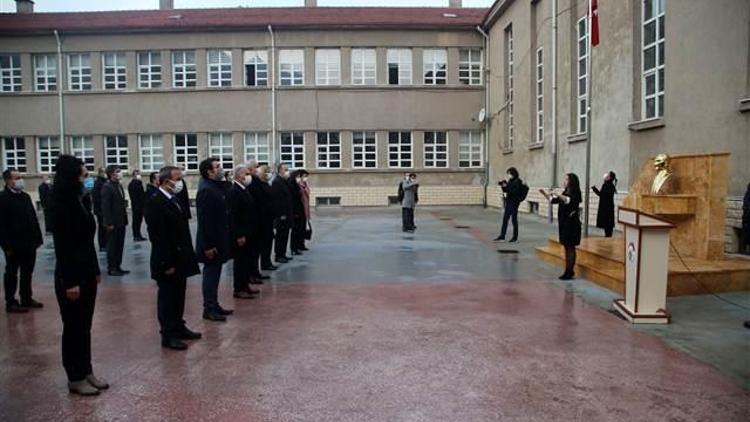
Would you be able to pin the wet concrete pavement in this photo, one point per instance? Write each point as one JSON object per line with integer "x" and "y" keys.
{"x": 376, "y": 325}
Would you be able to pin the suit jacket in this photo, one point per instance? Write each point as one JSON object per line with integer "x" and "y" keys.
{"x": 169, "y": 233}
{"x": 150, "y": 191}
{"x": 298, "y": 207}
{"x": 244, "y": 215}
{"x": 213, "y": 221}
{"x": 19, "y": 227}
{"x": 44, "y": 190}
{"x": 113, "y": 205}
{"x": 263, "y": 198}
{"x": 96, "y": 194}
{"x": 410, "y": 194}
{"x": 282, "y": 198}
{"x": 73, "y": 233}
{"x": 137, "y": 194}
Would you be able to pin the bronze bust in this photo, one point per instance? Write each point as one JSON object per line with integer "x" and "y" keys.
{"x": 661, "y": 184}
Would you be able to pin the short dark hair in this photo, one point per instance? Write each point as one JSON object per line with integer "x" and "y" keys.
{"x": 136, "y": 172}
{"x": 412, "y": 174}
{"x": 111, "y": 169}
{"x": 303, "y": 173}
{"x": 165, "y": 173}
{"x": 513, "y": 172}
{"x": 153, "y": 176}
{"x": 278, "y": 167}
{"x": 206, "y": 165}
{"x": 7, "y": 172}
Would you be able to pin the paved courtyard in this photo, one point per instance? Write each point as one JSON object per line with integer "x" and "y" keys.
{"x": 376, "y": 325}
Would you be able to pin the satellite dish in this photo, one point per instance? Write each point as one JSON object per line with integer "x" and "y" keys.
{"x": 482, "y": 115}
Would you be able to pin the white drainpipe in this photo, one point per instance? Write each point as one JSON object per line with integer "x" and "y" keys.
{"x": 487, "y": 113}
{"x": 273, "y": 97}
{"x": 60, "y": 88}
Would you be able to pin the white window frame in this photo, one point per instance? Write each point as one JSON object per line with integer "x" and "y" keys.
{"x": 401, "y": 58}
{"x": 582, "y": 97}
{"x": 185, "y": 68}
{"x": 470, "y": 67}
{"x": 150, "y": 152}
{"x": 327, "y": 66}
{"x": 149, "y": 69}
{"x": 328, "y": 150}
{"x": 47, "y": 156}
{"x": 118, "y": 79}
{"x": 292, "y": 149}
{"x": 539, "y": 105}
{"x": 219, "y": 68}
{"x": 186, "y": 156}
{"x": 291, "y": 67}
{"x": 45, "y": 72}
{"x": 509, "y": 61}
{"x": 11, "y": 79}
{"x": 221, "y": 146}
{"x": 15, "y": 157}
{"x": 257, "y": 147}
{"x": 400, "y": 150}
{"x": 436, "y": 150}
{"x": 118, "y": 154}
{"x": 657, "y": 72}
{"x": 365, "y": 149}
{"x": 435, "y": 66}
{"x": 471, "y": 149}
{"x": 79, "y": 72}
{"x": 364, "y": 66}
{"x": 82, "y": 147}
{"x": 259, "y": 60}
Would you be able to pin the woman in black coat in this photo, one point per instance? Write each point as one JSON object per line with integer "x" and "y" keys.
{"x": 605, "y": 217}
{"x": 76, "y": 272}
{"x": 568, "y": 218}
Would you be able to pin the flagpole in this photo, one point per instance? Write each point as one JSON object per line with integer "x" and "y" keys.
{"x": 589, "y": 66}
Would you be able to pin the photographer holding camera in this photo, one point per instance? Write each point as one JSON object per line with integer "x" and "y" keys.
{"x": 514, "y": 192}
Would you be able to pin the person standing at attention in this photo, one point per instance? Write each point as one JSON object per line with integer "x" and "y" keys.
{"x": 137, "y": 202}
{"x": 115, "y": 217}
{"x": 284, "y": 211}
{"x": 96, "y": 198}
{"x": 244, "y": 223}
{"x": 20, "y": 237}
{"x": 568, "y": 204}
{"x": 605, "y": 216}
{"x": 44, "y": 190}
{"x": 212, "y": 241}
{"x": 409, "y": 187}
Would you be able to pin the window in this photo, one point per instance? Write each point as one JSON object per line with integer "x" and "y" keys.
{"x": 115, "y": 71}
{"x": 256, "y": 147}
{"x": 291, "y": 67}
{"x": 329, "y": 150}
{"x": 149, "y": 69}
{"x": 151, "y": 150}
{"x": 220, "y": 146}
{"x": 47, "y": 149}
{"x": 327, "y": 67}
{"x": 399, "y": 66}
{"x": 470, "y": 149}
{"x": 582, "y": 78}
{"x": 116, "y": 151}
{"x": 14, "y": 153}
{"x": 470, "y": 66}
{"x": 652, "y": 50}
{"x": 219, "y": 68}
{"x": 10, "y": 73}
{"x": 183, "y": 69}
{"x": 539, "y": 95}
{"x": 79, "y": 72}
{"x": 364, "y": 150}
{"x": 256, "y": 67}
{"x": 399, "y": 149}
{"x": 435, "y": 63}
{"x": 509, "y": 88}
{"x": 364, "y": 64}
{"x": 293, "y": 149}
{"x": 82, "y": 147}
{"x": 435, "y": 149}
{"x": 186, "y": 151}
{"x": 45, "y": 72}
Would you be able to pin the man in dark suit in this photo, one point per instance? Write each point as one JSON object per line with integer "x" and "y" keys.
{"x": 283, "y": 207}
{"x": 115, "y": 218}
{"x": 153, "y": 185}
{"x": 20, "y": 237}
{"x": 137, "y": 201}
{"x": 44, "y": 190}
{"x": 172, "y": 257}
{"x": 212, "y": 243}
{"x": 244, "y": 223}
{"x": 96, "y": 198}
{"x": 263, "y": 197}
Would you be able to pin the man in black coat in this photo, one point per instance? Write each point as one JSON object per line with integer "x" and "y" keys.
{"x": 137, "y": 201}
{"x": 153, "y": 185}
{"x": 212, "y": 241}
{"x": 261, "y": 193}
{"x": 44, "y": 190}
{"x": 96, "y": 199}
{"x": 283, "y": 208}
{"x": 172, "y": 257}
{"x": 115, "y": 218}
{"x": 244, "y": 223}
{"x": 20, "y": 237}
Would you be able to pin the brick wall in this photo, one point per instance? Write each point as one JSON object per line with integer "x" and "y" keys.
{"x": 377, "y": 196}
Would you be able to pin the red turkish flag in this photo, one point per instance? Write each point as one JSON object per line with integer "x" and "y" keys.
{"x": 594, "y": 23}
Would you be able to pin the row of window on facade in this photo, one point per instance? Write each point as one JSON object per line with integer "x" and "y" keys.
{"x": 291, "y": 68}
{"x": 652, "y": 73}
{"x": 185, "y": 153}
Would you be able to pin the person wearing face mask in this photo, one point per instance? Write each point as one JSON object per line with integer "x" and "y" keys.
{"x": 284, "y": 211}
{"x": 115, "y": 219}
{"x": 244, "y": 223}
{"x": 137, "y": 201}
{"x": 302, "y": 221}
{"x": 605, "y": 216}
{"x": 172, "y": 257}
{"x": 261, "y": 192}
{"x": 44, "y": 190}
{"x": 408, "y": 193}
{"x": 213, "y": 239}
{"x": 96, "y": 199}
{"x": 20, "y": 237}
{"x": 513, "y": 192}
{"x": 299, "y": 223}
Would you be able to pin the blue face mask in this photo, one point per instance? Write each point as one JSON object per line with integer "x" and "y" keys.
{"x": 88, "y": 184}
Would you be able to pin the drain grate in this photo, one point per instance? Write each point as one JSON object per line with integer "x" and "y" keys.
{"x": 462, "y": 227}
{"x": 445, "y": 218}
{"x": 507, "y": 251}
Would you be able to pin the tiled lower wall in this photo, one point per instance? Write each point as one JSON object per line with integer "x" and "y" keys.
{"x": 734, "y": 224}
{"x": 377, "y": 196}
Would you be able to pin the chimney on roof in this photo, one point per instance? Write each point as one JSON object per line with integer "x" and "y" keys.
{"x": 24, "y": 6}
{"x": 455, "y": 3}
{"x": 311, "y": 3}
{"x": 166, "y": 4}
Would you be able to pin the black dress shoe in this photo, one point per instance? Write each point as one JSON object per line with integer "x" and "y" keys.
{"x": 304, "y": 249}
{"x": 269, "y": 268}
{"x": 187, "y": 334}
{"x": 499, "y": 239}
{"x": 15, "y": 308}
{"x": 174, "y": 344}
{"x": 31, "y": 303}
{"x": 214, "y": 316}
{"x": 567, "y": 276}
{"x": 140, "y": 239}
{"x": 255, "y": 281}
{"x": 261, "y": 277}
{"x": 222, "y": 311}
{"x": 513, "y": 240}
{"x": 123, "y": 271}
{"x": 243, "y": 294}
{"x": 115, "y": 273}
{"x": 282, "y": 259}
{"x": 296, "y": 253}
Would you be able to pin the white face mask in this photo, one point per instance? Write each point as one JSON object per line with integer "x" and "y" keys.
{"x": 137, "y": 177}
{"x": 19, "y": 184}
{"x": 118, "y": 176}
{"x": 510, "y": 177}
{"x": 178, "y": 187}
{"x": 248, "y": 180}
